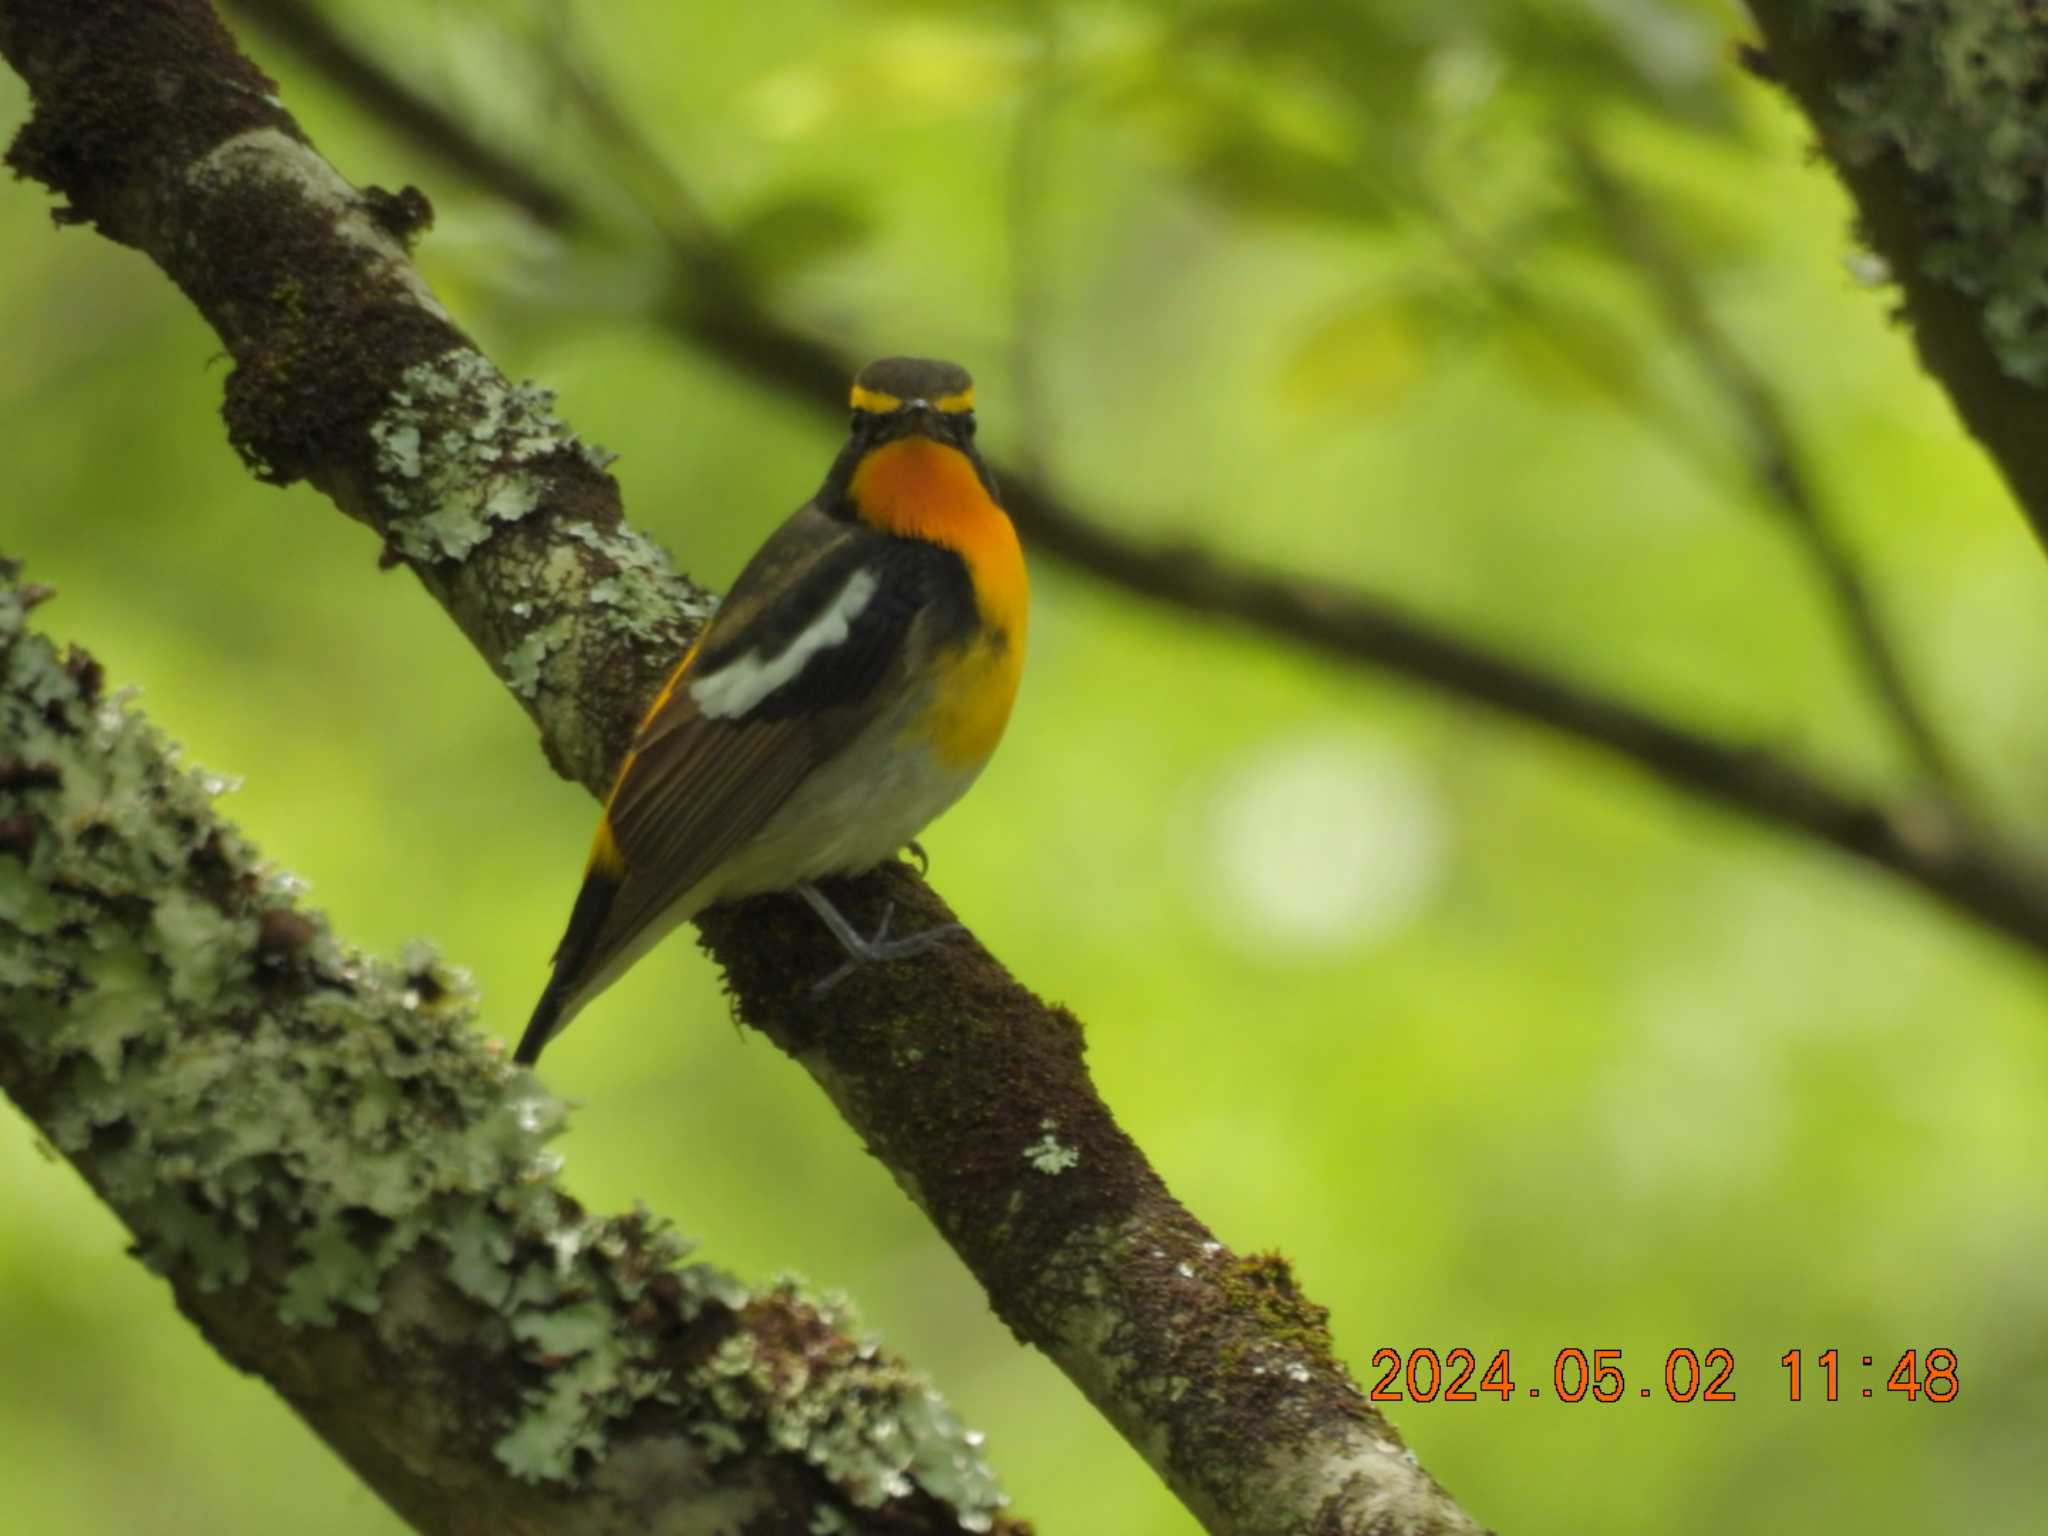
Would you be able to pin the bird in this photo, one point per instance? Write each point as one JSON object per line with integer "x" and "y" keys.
{"x": 850, "y": 687}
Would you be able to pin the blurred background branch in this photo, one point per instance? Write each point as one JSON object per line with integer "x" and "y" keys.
{"x": 1775, "y": 459}
{"x": 1029, "y": 174}
{"x": 1924, "y": 840}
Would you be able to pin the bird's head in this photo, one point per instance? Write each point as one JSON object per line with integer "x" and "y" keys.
{"x": 910, "y": 454}
{"x": 897, "y": 396}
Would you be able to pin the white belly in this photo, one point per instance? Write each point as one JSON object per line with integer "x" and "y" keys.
{"x": 859, "y": 809}
{"x": 881, "y": 790}
{"x": 869, "y": 801}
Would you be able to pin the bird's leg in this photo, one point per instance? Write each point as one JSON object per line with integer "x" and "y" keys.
{"x": 924, "y": 860}
{"x": 860, "y": 951}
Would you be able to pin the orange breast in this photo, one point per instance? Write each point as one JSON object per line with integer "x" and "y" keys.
{"x": 929, "y": 490}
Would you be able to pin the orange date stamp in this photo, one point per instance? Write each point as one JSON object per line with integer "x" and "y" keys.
{"x": 1688, "y": 1376}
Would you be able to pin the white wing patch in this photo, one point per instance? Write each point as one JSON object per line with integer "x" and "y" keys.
{"x": 749, "y": 678}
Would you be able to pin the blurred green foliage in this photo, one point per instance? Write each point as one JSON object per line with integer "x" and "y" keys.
{"x": 1504, "y": 1045}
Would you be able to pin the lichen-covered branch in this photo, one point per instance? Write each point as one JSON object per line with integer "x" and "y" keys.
{"x": 1932, "y": 115}
{"x": 348, "y": 1189}
{"x": 973, "y": 1092}
{"x": 1925, "y": 845}
{"x": 347, "y": 372}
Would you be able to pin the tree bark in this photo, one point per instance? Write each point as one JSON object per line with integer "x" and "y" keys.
{"x": 973, "y": 1092}
{"x": 347, "y": 1188}
{"x": 1932, "y": 115}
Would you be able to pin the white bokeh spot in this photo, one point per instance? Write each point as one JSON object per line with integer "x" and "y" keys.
{"x": 1314, "y": 842}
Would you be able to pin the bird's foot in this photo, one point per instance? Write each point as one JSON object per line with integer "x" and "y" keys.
{"x": 865, "y": 951}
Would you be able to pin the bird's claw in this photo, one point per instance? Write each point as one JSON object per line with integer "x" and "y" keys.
{"x": 878, "y": 946}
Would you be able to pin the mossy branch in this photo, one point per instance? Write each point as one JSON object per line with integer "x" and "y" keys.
{"x": 1933, "y": 116}
{"x": 348, "y": 1190}
{"x": 349, "y": 374}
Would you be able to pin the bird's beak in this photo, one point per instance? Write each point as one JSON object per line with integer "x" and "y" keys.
{"x": 916, "y": 418}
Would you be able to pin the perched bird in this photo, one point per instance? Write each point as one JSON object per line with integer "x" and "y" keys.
{"x": 848, "y": 690}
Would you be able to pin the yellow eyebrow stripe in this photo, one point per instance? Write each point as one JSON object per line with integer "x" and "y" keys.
{"x": 881, "y": 402}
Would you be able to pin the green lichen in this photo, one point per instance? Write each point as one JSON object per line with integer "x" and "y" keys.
{"x": 1957, "y": 91}
{"x": 598, "y": 1372}
{"x": 524, "y": 663}
{"x": 1050, "y": 1155}
{"x": 348, "y": 1097}
{"x": 639, "y": 598}
{"x": 234, "y": 1078}
{"x": 457, "y": 450}
{"x": 875, "y": 1430}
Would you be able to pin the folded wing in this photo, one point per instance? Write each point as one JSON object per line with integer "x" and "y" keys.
{"x": 794, "y": 664}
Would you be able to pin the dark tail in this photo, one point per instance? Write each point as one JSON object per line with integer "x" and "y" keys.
{"x": 572, "y": 958}
{"x": 541, "y": 1027}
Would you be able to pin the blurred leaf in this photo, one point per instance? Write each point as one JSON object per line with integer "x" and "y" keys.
{"x": 1568, "y": 349}
{"x": 1659, "y": 55}
{"x": 1355, "y": 113}
{"x": 1363, "y": 355}
{"x": 1262, "y": 174}
{"x": 1664, "y": 56}
{"x": 1256, "y": 143}
{"x": 784, "y": 234}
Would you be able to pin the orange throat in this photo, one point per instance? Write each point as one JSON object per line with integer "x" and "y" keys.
{"x": 927, "y": 490}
